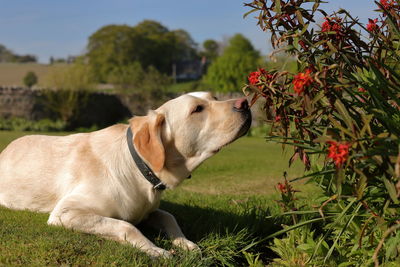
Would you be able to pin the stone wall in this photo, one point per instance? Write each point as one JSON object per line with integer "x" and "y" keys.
{"x": 100, "y": 109}
{"x": 19, "y": 102}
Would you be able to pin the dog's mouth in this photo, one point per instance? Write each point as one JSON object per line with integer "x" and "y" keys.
{"x": 244, "y": 128}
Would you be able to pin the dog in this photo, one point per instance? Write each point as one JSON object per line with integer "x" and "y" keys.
{"x": 106, "y": 182}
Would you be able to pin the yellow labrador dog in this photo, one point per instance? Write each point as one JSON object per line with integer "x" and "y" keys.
{"x": 107, "y": 181}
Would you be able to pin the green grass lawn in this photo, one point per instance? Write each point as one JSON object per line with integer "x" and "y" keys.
{"x": 222, "y": 208}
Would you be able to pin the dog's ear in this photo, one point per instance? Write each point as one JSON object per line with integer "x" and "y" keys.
{"x": 147, "y": 139}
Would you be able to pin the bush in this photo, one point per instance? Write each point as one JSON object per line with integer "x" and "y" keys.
{"x": 126, "y": 78}
{"x": 30, "y": 79}
{"x": 134, "y": 79}
{"x": 341, "y": 114}
{"x": 68, "y": 89}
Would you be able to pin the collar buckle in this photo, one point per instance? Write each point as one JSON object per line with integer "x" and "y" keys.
{"x": 160, "y": 186}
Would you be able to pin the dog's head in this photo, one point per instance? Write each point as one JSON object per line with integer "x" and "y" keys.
{"x": 185, "y": 131}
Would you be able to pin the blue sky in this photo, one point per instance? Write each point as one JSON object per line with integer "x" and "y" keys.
{"x": 60, "y": 28}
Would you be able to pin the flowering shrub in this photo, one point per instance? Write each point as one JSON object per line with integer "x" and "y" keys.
{"x": 341, "y": 114}
{"x": 287, "y": 194}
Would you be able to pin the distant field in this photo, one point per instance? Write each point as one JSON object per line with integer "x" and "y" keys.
{"x": 12, "y": 74}
{"x": 223, "y": 208}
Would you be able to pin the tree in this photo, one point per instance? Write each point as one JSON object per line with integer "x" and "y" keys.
{"x": 111, "y": 46}
{"x": 127, "y": 78}
{"x": 162, "y": 47}
{"x": 149, "y": 43}
{"x": 185, "y": 46}
{"x": 228, "y": 72}
{"x": 24, "y": 58}
{"x": 30, "y": 79}
{"x": 210, "y": 49}
{"x": 5, "y": 54}
{"x": 151, "y": 28}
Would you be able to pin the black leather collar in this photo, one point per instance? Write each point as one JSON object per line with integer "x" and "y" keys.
{"x": 144, "y": 169}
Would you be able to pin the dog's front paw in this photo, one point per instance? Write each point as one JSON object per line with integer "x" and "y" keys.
{"x": 185, "y": 244}
{"x": 156, "y": 252}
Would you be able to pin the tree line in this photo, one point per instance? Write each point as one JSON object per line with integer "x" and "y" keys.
{"x": 6, "y": 55}
{"x": 144, "y": 57}
{"x": 125, "y": 55}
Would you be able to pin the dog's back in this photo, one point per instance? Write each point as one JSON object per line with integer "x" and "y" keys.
{"x": 29, "y": 169}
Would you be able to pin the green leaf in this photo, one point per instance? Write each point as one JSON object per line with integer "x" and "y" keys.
{"x": 366, "y": 128}
{"x": 391, "y": 190}
{"x": 344, "y": 211}
{"x": 300, "y": 212}
{"x": 339, "y": 180}
{"x": 249, "y": 12}
{"x": 299, "y": 17}
{"x": 331, "y": 47}
{"x": 341, "y": 128}
{"x": 277, "y": 8}
{"x": 287, "y": 229}
{"x": 315, "y": 7}
{"x": 361, "y": 184}
{"x": 343, "y": 112}
{"x": 392, "y": 245}
{"x": 318, "y": 173}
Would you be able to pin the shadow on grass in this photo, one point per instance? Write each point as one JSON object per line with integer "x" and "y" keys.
{"x": 231, "y": 232}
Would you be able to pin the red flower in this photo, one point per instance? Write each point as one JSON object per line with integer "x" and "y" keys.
{"x": 361, "y": 90}
{"x": 333, "y": 25}
{"x": 371, "y": 26}
{"x": 338, "y": 152}
{"x": 303, "y": 45}
{"x": 326, "y": 26}
{"x": 302, "y": 80}
{"x": 255, "y": 77}
{"x": 387, "y": 4}
{"x": 282, "y": 188}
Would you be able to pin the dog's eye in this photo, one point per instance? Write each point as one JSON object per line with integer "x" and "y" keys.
{"x": 198, "y": 109}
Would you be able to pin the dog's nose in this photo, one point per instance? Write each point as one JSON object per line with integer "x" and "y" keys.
{"x": 241, "y": 104}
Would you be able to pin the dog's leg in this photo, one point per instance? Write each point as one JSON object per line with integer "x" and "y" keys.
{"x": 166, "y": 222}
{"x": 85, "y": 220}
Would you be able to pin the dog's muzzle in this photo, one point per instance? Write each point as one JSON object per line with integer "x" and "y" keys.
{"x": 241, "y": 105}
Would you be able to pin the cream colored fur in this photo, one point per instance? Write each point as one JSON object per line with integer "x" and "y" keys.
{"x": 89, "y": 181}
